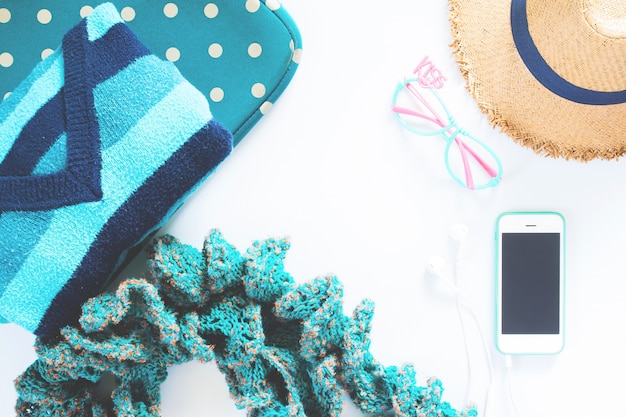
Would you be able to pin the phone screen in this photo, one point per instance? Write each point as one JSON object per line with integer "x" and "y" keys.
{"x": 530, "y": 283}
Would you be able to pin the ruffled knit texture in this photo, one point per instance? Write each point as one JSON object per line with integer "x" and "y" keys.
{"x": 286, "y": 349}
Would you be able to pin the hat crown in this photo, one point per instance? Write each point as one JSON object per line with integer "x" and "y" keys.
{"x": 607, "y": 17}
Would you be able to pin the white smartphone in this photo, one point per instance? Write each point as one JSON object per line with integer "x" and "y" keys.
{"x": 530, "y": 287}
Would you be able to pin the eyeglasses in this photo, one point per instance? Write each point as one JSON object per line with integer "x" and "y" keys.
{"x": 469, "y": 161}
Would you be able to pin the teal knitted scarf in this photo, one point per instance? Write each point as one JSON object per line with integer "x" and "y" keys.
{"x": 285, "y": 348}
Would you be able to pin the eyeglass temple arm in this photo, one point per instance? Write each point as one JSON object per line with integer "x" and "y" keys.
{"x": 425, "y": 102}
{"x": 488, "y": 168}
{"x": 462, "y": 147}
{"x": 404, "y": 110}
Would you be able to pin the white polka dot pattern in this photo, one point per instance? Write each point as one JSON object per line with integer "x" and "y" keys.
{"x": 265, "y": 107}
{"x": 297, "y": 54}
{"x": 172, "y": 54}
{"x": 6, "y": 59}
{"x": 5, "y": 15}
{"x": 220, "y": 51}
{"x": 44, "y": 16}
{"x": 273, "y": 4}
{"x": 85, "y": 11}
{"x": 46, "y": 53}
{"x": 253, "y": 5}
{"x": 258, "y": 90}
{"x": 255, "y": 50}
{"x": 170, "y": 10}
{"x": 216, "y": 95}
{"x": 128, "y": 14}
{"x": 211, "y": 10}
{"x": 215, "y": 50}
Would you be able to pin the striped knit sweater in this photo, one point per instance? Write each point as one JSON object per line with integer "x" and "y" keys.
{"x": 98, "y": 147}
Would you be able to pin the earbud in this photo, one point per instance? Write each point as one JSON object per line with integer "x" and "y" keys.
{"x": 435, "y": 265}
{"x": 458, "y": 232}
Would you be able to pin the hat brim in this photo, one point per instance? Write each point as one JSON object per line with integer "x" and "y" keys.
{"x": 517, "y": 103}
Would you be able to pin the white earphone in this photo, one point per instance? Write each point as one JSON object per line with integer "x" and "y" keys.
{"x": 458, "y": 232}
{"x": 436, "y": 266}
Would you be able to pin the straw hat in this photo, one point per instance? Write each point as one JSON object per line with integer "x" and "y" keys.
{"x": 550, "y": 74}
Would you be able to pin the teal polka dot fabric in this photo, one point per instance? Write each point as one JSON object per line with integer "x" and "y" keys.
{"x": 240, "y": 54}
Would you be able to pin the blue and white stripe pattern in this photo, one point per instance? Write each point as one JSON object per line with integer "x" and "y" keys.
{"x": 98, "y": 146}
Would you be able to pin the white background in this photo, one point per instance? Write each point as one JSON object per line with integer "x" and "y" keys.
{"x": 361, "y": 198}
